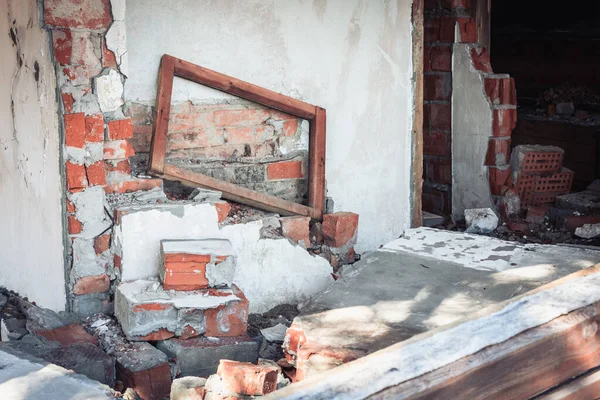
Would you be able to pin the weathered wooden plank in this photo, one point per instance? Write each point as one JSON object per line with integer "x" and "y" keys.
{"x": 242, "y": 89}
{"x": 586, "y": 387}
{"x": 238, "y": 193}
{"x": 316, "y": 160}
{"x": 417, "y": 124}
{"x": 163, "y": 108}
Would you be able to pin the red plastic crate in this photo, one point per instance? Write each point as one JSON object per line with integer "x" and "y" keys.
{"x": 542, "y": 162}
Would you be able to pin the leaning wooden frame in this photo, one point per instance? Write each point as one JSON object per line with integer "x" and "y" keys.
{"x": 170, "y": 67}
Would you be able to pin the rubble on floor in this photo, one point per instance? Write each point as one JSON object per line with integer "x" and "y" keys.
{"x": 425, "y": 279}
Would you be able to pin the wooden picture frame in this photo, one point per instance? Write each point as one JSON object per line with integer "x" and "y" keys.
{"x": 170, "y": 67}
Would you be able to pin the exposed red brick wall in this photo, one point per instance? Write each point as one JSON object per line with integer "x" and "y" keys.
{"x": 244, "y": 143}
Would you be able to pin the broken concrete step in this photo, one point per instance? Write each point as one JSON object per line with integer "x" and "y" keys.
{"x": 196, "y": 264}
{"x": 147, "y": 312}
{"x": 200, "y": 356}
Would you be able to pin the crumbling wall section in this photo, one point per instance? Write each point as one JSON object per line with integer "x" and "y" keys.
{"x": 236, "y": 141}
{"x": 31, "y": 256}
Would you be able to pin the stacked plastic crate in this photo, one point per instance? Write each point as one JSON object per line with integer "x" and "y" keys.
{"x": 539, "y": 175}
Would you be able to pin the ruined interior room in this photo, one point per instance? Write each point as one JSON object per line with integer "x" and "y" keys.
{"x": 326, "y": 199}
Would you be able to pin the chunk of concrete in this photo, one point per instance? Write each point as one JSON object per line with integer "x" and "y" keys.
{"x": 12, "y": 329}
{"x": 275, "y": 333}
{"x": 147, "y": 312}
{"x": 481, "y": 220}
{"x": 200, "y": 356}
{"x": 109, "y": 89}
{"x": 205, "y": 195}
{"x": 188, "y": 388}
{"x": 588, "y": 231}
{"x": 85, "y": 359}
{"x": 43, "y": 318}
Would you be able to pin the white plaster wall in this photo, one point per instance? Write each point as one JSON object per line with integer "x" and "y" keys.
{"x": 352, "y": 57}
{"x": 31, "y": 247}
{"x": 471, "y": 130}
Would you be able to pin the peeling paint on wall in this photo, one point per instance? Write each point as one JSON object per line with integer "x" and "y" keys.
{"x": 31, "y": 260}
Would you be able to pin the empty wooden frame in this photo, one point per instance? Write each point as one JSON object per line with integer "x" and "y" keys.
{"x": 171, "y": 67}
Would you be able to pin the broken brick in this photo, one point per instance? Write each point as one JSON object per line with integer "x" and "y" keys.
{"x": 118, "y": 149}
{"x": 68, "y": 335}
{"x": 144, "y": 369}
{"x": 75, "y": 130}
{"x": 95, "y": 174}
{"x": 223, "y": 209}
{"x": 297, "y": 229}
{"x": 230, "y": 319}
{"x": 118, "y": 167}
{"x": 501, "y": 91}
{"x": 94, "y": 128}
{"x": 68, "y": 101}
{"x": 248, "y": 379}
{"x": 76, "y": 176}
{"x": 84, "y": 14}
{"x": 102, "y": 243}
{"x": 339, "y": 228}
{"x": 92, "y": 284}
{"x": 108, "y": 56}
{"x": 62, "y": 44}
{"x": 120, "y": 129}
{"x": 132, "y": 185}
{"x": 70, "y": 206}
{"x": 75, "y": 226}
{"x": 290, "y": 127}
{"x": 505, "y": 120}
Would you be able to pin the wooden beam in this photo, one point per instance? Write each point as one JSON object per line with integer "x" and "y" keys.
{"x": 245, "y": 90}
{"x": 238, "y": 193}
{"x": 164, "y": 92}
{"x": 584, "y": 387}
{"x": 417, "y": 123}
{"x": 316, "y": 160}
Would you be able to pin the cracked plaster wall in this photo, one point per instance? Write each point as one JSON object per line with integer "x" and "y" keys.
{"x": 31, "y": 233}
{"x": 352, "y": 57}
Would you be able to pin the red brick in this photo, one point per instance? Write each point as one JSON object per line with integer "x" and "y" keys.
{"x": 68, "y": 335}
{"x": 81, "y": 74}
{"x": 229, "y": 320}
{"x": 132, "y": 186}
{"x": 76, "y": 176}
{"x": 438, "y": 116}
{"x": 151, "y": 307}
{"x": 92, "y": 284}
{"x": 505, "y": 120}
{"x": 290, "y": 127}
{"x": 496, "y": 149}
{"x": 62, "y": 44}
{"x": 296, "y": 229}
{"x": 120, "y": 129}
{"x": 438, "y": 86}
{"x": 499, "y": 178}
{"x": 68, "y": 101}
{"x": 481, "y": 60}
{"x": 70, "y": 206}
{"x": 573, "y": 222}
{"x": 75, "y": 226}
{"x": 339, "y": 228}
{"x": 85, "y": 14}
{"x": 149, "y": 384}
{"x": 94, "y": 128}
{"x": 285, "y": 170}
{"x": 440, "y": 58}
{"x": 95, "y": 174}
{"x": 223, "y": 209}
{"x": 108, "y": 57}
{"x": 432, "y": 29}
{"x": 118, "y": 149}
{"x": 75, "y": 130}
{"x": 501, "y": 91}
{"x": 120, "y": 167}
{"x": 439, "y": 170}
{"x": 437, "y": 143}
{"x": 102, "y": 243}
{"x": 117, "y": 261}
{"x": 248, "y": 379}
{"x": 241, "y": 117}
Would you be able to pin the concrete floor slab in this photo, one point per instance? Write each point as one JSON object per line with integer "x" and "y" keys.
{"x": 427, "y": 279}
{"x": 23, "y": 377}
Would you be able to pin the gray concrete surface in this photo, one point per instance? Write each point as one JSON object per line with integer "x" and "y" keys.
{"x": 24, "y": 377}
{"x": 415, "y": 284}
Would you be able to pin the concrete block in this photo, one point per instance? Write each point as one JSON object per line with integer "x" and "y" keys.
{"x": 481, "y": 220}
{"x": 85, "y": 359}
{"x": 248, "y": 379}
{"x": 200, "y": 356}
{"x": 196, "y": 264}
{"x": 145, "y": 369}
{"x": 12, "y": 329}
{"x": 145, "y": 310}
